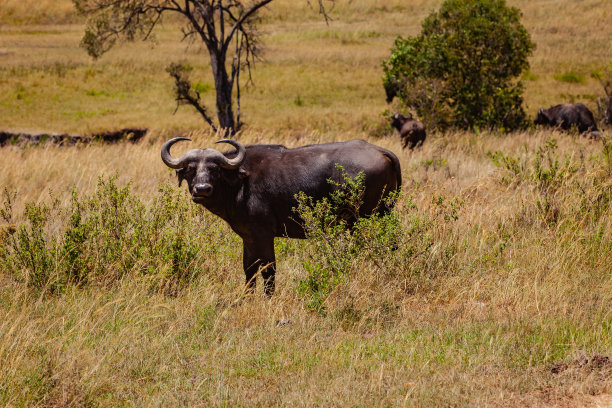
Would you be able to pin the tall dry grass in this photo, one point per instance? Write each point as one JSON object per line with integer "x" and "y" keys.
{"x": 50, "y": 84}
{"x": 500, "y": 294}
{"x": 479, "y": 314}
{"x": 26, "y": 12}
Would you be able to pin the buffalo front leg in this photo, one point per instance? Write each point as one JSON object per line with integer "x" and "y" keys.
{"x": 258, "y": 255}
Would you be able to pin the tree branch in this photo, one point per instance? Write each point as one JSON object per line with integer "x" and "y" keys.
{"x": 236, "y": 73}
{"x": 238, "y": 24}
{"x": 210, "y": 37}
{"x": 221, "y": 22}
{"x": 185, "y": 95}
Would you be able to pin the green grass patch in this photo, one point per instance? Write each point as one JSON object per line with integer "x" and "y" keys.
{"x": 570, "y": 78}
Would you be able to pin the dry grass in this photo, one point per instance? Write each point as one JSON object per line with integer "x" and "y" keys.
{"x": 27, "y": 12}
{"x": 50, "y": 83}
{"x": 505, "y": 294}
{"x": 517, "y": 297}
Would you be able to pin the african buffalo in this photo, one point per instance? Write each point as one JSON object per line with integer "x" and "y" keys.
{"x": 411, "y": 131}
{"x": 254, "y": 188}
{"x": 566, "y": 116}
{"x": 391, "y": 89}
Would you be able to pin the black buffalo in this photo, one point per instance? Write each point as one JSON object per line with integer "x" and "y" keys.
{"x": 568, "y": 116}
{"x": 253, "y": 188}
{"x": 391, "y": 89}
{"x": 411, "y": 131}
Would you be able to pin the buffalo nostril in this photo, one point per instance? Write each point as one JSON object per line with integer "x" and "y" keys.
{"x": 203, "y": 189}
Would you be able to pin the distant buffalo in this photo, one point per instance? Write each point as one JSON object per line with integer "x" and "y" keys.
{"x": 412, "y": 132}
{"x": 391, "y": 90}
{"x": 568, "y": 116}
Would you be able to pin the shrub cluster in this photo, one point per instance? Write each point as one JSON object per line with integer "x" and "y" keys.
{"x": 462, "y": 69}
{"x": 103, "y": 237}
{"x": 338, "y": 240}
{"x": 562, "y": 187}
{"x": 393, "y": 248}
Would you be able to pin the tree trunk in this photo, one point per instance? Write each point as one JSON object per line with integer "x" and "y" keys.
{"x": 225, "y": 113}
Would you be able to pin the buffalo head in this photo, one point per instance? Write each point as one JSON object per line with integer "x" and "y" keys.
{"x": 398, "y": 120}
{"x": 204, "y": 168}
{"x": 543, "y": 118}
{"x": 392, "y": 88}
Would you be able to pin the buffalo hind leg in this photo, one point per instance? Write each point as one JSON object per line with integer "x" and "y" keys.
{"x": 258, "y": 255}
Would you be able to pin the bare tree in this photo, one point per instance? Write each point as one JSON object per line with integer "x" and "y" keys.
{"x": 227, "y": 28}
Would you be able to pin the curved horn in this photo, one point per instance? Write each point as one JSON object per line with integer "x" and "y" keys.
{"x": 236, "y": 161}
{"x": 168, "y": 159}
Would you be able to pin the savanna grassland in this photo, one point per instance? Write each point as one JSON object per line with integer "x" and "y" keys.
{"x": 116, "y": 290}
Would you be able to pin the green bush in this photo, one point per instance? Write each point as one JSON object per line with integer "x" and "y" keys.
{"x": 388, "y": 253}
{"x": 338, "y": 242}
{"x": 394, "y": 249}
{"x": 463, "y": 69}
{"x": 570, "y": 77}
{"x": 102, "y": 237}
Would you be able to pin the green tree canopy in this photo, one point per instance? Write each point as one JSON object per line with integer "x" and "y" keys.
{"x": 462, "y": 69}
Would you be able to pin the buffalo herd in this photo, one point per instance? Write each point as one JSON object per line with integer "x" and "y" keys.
{"x": 567, "y": 116}
{"x": 254, "y": 188}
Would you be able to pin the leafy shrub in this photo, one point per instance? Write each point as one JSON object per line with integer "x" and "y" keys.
{"x": 462, "y": 70}
{"x": 28, "y": 247}
{"x": 338, "y": 241}
{"x": 391, "y": 253}
{"x": 104, "y": 237}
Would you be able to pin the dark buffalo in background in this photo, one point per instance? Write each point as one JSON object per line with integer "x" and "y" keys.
{"x": 412, "y": 132}
{"x": 391, "y": 90}
{"x": 253, "y": 188}
{"x": 568, "y": 115}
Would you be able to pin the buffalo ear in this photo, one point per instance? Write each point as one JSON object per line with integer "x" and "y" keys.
{"x": 543, "y": 113}
{"x": 180, "y": 173}
{"x": 542, "y": 117}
